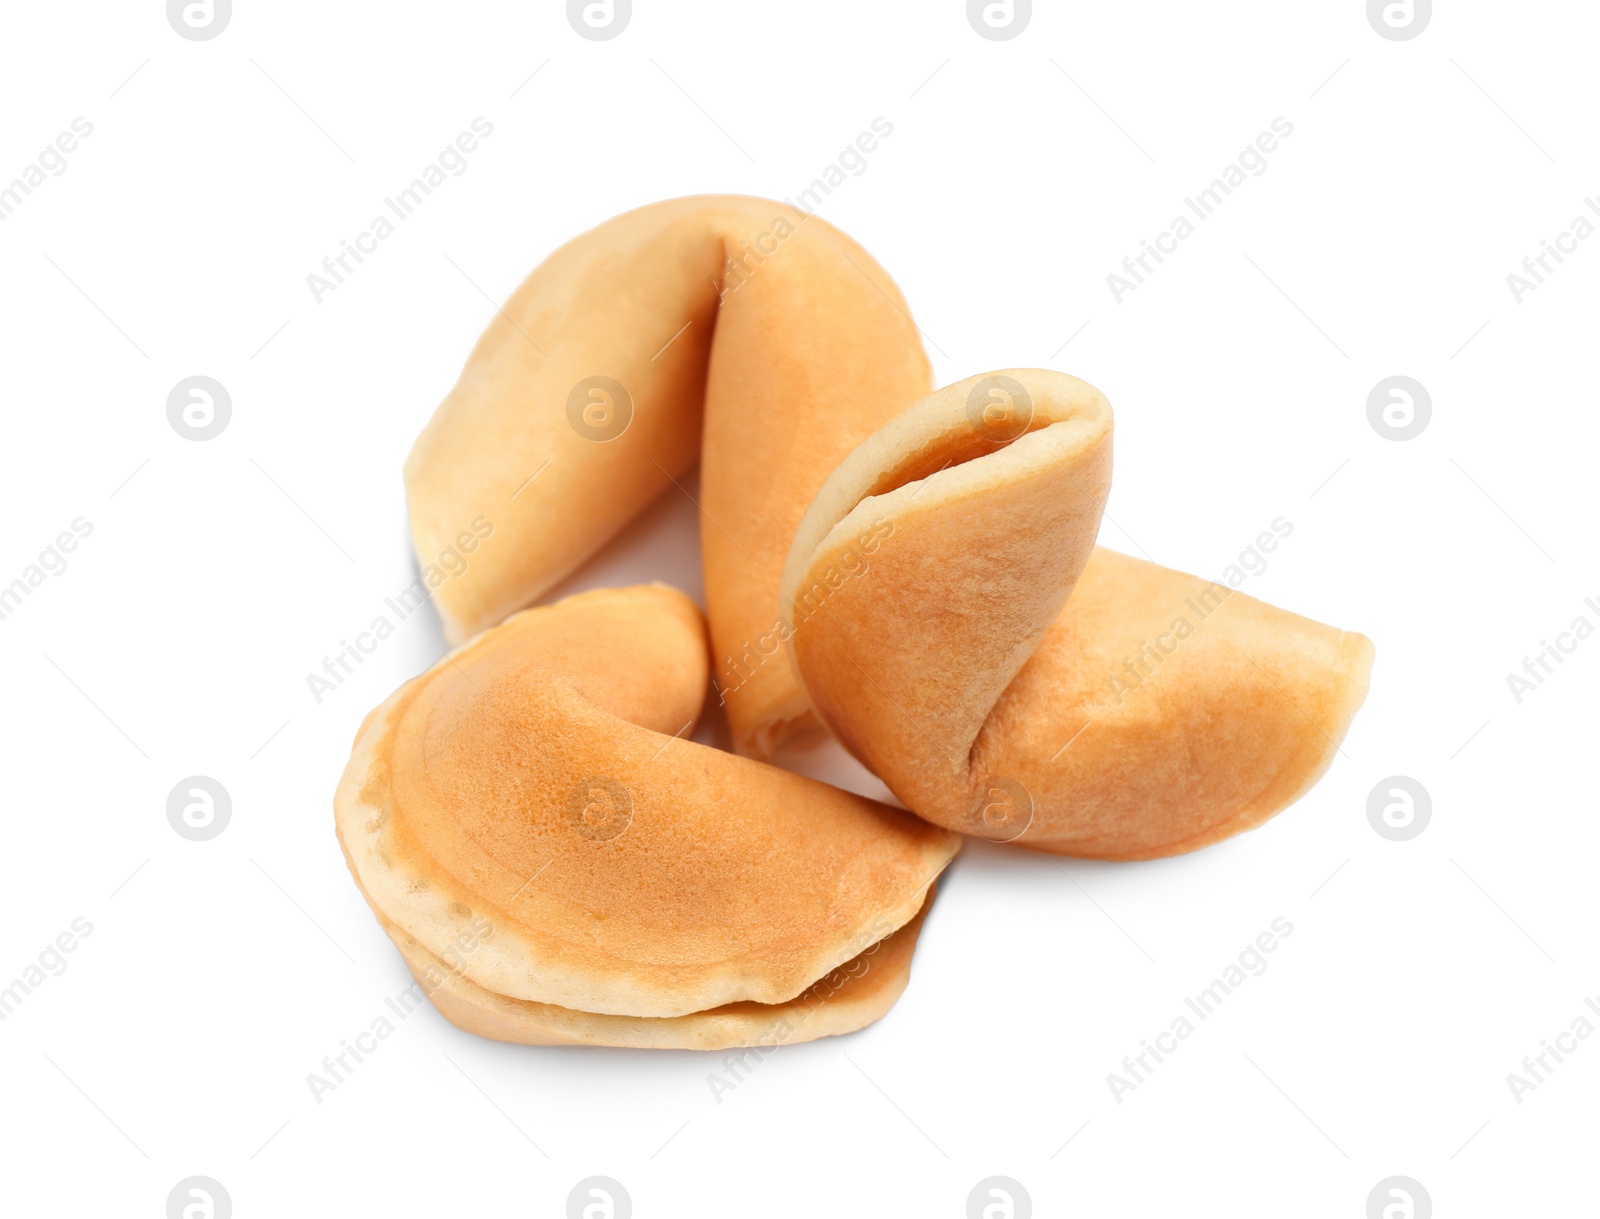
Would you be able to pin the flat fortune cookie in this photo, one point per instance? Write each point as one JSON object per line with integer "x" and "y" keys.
{"x": 958, "y": 630}
{"x": 528, "y": 822}
{"x": 584, "y": 400}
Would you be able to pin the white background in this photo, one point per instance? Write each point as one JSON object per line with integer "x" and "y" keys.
{"x": 219, "y": 574}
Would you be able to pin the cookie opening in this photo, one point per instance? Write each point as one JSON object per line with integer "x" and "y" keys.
{"x": 950, "y": 449}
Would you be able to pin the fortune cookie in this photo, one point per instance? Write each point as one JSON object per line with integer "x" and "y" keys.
{"x": 558, "y": 864}
{"x": 584, "y": 400}
{"x": 957, "y": 629}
